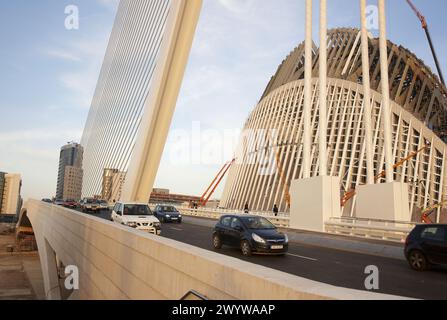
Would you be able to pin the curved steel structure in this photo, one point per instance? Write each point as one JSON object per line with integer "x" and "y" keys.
{"x": 419, "y": 114}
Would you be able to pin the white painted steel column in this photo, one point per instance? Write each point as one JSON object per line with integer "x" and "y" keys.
{"x": 366, "y": 97}
{"x": 323, "y": 89}
{"x": 307, "y": 111}
{"x": 162, "y": 99}
{"x": 387, "y": 129}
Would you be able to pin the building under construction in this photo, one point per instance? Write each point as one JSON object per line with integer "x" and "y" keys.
{"x": 419, "y": 118}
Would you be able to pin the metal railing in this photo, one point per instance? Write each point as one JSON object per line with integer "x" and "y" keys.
{"x": 281, "y": 220}
{"x": 395, "y": 231}
{"x": 194, "y": 295}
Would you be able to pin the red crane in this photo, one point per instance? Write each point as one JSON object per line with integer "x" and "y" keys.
{"x": 215, "y": 183}
{"x": 430, "y": 42}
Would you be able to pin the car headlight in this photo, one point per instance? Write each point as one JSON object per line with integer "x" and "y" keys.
{"x": 179, "y": 215}
{"x": 132, "y": 224}
{"x": 286, "y": 238}
{"x": 168, "y": 216}
{"x": 258, "y": 238}
{"x": 156, "y": 224}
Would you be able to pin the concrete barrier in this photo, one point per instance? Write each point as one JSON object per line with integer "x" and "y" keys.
{"x": 116, "y": 262}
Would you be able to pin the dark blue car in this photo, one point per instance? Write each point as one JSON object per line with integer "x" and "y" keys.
{"x": 167, "y": 214}
{"x": 252, "y": 234}
{"x": 426, "y": 245}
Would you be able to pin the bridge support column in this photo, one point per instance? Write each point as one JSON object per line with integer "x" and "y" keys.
{"x": 48, "y": 263}
{"x": 386, "y": 201}
{"x": 313, "y": 202}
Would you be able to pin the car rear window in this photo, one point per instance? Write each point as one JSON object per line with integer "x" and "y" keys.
{"x": 434, "y": 233}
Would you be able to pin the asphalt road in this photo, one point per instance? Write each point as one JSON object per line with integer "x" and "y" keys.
{"x": 335, "y": 267}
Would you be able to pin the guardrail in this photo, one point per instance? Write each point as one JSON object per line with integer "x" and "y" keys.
{"x": 395, "y": 231}
{"x": 280, "y": 221}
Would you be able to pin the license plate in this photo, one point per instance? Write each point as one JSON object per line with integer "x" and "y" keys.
{"x": 174, "y": 218}
{"x": 277, "y": 247}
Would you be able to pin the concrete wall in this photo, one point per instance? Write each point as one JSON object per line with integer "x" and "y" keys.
{"x": 116, "y": 262}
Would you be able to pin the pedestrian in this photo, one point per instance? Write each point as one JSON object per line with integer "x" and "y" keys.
{"x": 246, "y": 209}
{"x": 275, "y": 210}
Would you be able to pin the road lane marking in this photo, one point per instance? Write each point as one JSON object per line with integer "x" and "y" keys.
{"x": 302, "y": 257}
{"x": 177, "y": 229}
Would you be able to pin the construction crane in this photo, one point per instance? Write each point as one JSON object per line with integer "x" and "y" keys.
{"x": 426, "y": 213}
{"x": 350, "y": 194}
{"x": 215, "y": 183}
{"x": 430, "y": 42}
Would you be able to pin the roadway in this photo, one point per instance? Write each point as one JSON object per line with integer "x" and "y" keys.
{"x": 331, "y": 266}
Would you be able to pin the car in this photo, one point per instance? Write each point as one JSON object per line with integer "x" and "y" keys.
{"x": 89, "y": 205}
{"x": 166, "y": 213}
{"x": 252, "y": 234}
{"x": 103, "y": 205}
{"x": 59, "y": 202}
{"x": 70, "y": 204}
{"x": 136, "y": 215}
{"x": 47, "y": 200}
{"x": 426, "y": 246}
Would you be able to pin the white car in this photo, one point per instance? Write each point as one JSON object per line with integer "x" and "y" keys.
{"x": 137, "y": 216}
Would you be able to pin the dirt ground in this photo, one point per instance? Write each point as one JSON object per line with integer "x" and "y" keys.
{"x": 20, "y": 273}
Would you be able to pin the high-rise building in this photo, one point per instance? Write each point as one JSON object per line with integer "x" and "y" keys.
{"x": 10, "y": 197}
{"x": 2, "y": 187}
{"x": 419, "y": 118}
{"x": 112, "y": 184}
{"x": 123, "y": 86}
{"x": 69, "y": 179}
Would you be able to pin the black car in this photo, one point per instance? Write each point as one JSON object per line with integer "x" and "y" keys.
{"x": 426, "y": 245}
{"x": 252, "y": 234}
{"x": 167, "y": 214}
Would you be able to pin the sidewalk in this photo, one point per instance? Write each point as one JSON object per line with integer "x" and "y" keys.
{"x": 359, "y": 245}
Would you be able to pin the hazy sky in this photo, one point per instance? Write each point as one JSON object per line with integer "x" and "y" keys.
{"x": 48, "y": 74}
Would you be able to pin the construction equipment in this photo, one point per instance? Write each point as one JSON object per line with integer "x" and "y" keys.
{"x": 430, "y": 42}
{"x": 426, "y": 213}
{"x": 403, "y": 161}
{"x": 283, "y": 180}
{"x": 350, "y": 194}
{"x": 213, "y": 186}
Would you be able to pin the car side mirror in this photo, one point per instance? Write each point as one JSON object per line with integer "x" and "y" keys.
{"x": 119, "y": 213}
{"x": 239, "y": 228}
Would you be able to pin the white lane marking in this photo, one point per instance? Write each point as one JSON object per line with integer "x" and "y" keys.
{"x": 177, "y": 229}
{"x": 302, "y": 257}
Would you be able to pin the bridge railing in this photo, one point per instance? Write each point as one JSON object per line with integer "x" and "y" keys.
{"x": 395, "y": 231}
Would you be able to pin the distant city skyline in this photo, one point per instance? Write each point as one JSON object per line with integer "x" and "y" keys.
{"x": 50, "y": 74}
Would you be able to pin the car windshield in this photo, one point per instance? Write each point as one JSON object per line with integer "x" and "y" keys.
{"x": 168, "y": 209}
{"x": 102, "y": 201}
{"x": 90, "y": 201}
{"x": 257, "y": 223}
{"x": 136, "y": 210}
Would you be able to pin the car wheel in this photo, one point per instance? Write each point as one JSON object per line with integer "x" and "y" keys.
{"x": 417, "y": 261}
{"x": 217, "y": 243}
{"x": 246, "y": 248}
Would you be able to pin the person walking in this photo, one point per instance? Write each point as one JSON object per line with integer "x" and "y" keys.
{"x": 246, "y": 209}
{"x": 275, "y": 210}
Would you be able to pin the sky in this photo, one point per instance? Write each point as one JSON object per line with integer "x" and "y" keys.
{"x": 48, "y": 75}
